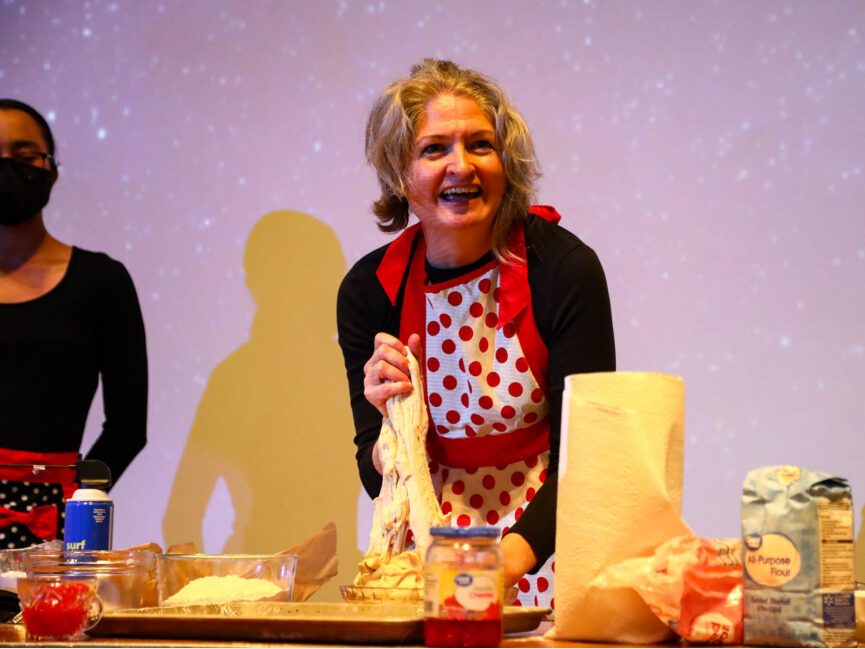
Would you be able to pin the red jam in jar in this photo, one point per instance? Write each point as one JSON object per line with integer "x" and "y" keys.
{"x": 463, "y": 588}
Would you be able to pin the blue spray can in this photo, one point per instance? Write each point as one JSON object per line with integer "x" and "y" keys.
{"x": 89, "y": 520}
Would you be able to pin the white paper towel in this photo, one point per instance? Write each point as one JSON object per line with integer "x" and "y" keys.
{"x": 620, "y": 496}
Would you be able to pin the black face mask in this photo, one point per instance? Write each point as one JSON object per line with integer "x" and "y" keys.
{"x": 24, "y": 191}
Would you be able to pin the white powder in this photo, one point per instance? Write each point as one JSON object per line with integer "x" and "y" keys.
{"x": 220, "y": 590}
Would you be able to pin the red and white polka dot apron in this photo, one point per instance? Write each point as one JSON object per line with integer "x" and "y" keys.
{"x": 486, "y": 369}
{"x": 32, "y": 500}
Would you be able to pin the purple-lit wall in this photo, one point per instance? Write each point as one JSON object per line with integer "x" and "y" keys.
{"x": 712, "y": 153}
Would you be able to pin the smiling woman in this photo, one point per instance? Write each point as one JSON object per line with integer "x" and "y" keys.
{"x": 496, "y": 300}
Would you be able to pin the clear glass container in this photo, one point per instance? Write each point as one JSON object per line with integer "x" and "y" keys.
{"x": 464, "y": 588}
{"x": 58, "y": 608}
{"x": 125, "y": 578}
{"x": 186, "y": 579}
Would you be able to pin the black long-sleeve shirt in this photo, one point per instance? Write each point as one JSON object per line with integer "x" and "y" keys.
{"x": 54, "y": 349}
{"x": 572, "y": 313}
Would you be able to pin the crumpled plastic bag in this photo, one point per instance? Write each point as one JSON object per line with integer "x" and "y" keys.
{"x": 693, "y": 585}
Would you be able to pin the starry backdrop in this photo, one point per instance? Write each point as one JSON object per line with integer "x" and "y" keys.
{"x": 712, "y": 153}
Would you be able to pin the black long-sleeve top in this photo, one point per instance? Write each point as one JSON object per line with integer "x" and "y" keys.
{"x": 53, "y": 351}
{"x": 572, "y": 313}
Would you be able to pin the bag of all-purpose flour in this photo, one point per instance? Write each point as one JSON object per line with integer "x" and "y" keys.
{"x": 797, "y": 551}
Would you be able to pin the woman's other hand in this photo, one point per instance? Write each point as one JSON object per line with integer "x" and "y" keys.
{"x": 519, "y": 558}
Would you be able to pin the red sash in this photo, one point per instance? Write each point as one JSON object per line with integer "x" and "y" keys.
{"x": 33, "y": 467}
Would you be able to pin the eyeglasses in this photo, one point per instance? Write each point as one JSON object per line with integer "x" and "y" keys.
{"x": 36, "y": 159}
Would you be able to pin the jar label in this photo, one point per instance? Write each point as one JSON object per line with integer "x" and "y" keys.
{"x": 462, "y": 594}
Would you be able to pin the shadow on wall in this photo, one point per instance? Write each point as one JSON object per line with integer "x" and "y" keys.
{"x": 274, "y": 421}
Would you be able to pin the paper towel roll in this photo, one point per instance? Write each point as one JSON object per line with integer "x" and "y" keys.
{"x": 620, "y": 496}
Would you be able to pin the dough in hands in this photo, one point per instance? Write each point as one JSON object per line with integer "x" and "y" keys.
{"x": 407, "y": 498}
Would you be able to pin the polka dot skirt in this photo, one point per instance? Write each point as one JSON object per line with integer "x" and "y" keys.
{"x": 24, "y": 496}
{"x": 498, "y": 496}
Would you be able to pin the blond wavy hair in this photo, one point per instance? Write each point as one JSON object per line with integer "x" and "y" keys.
{"x": 390, "y": 136}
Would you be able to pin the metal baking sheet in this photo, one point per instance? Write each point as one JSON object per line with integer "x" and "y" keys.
{"x": 290, "y": 622}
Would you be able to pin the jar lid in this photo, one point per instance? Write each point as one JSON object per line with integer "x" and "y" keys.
{"x": 466, "y": 532}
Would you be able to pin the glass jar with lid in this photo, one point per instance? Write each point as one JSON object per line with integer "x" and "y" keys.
{"x": 463, "y": 591}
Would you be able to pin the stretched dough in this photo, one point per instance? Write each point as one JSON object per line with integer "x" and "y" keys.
{"x": 407, "y": 498}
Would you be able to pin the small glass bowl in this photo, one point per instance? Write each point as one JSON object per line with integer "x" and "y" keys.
{"x": 367, "y": 594}
{"x": 184, "y": 579}
{"x": 58, "y": 608}
{"x": 125, "y": 578}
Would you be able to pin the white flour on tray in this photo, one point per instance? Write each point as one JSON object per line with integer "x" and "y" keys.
{"x": 220, "y": 590}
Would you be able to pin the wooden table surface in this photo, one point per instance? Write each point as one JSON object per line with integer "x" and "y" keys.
{"x": 13, "y": 635}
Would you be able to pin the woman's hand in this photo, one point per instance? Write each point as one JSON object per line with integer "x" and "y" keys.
{"x": 386, "y": 373}
{"x": 519, "y": 558}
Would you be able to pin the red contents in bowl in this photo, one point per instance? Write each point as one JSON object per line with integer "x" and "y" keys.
{"x": 57, "y": 610}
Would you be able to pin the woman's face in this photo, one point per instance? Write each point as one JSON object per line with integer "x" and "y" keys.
{"x": 20, "y": 132}
{"x": 26, "y": 175}
{"x": 455, "y": 176}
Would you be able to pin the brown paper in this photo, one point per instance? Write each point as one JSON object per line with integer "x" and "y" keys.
{"x": 316, "y": 562}
{"x": 182, "y": 548}
{"x": 149, "y": 596}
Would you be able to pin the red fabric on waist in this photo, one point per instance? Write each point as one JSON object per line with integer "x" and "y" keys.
{"x": 26, "y": 473}
{"x": 494, "y": 450}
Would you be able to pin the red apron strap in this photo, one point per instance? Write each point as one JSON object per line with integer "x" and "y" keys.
{"x": 391, "y": 269}
{"x": 546, "y": 212}
{"x": 515, "y": 307}
{"x": 26, "y": 468}
{"x": 413, "y": 315}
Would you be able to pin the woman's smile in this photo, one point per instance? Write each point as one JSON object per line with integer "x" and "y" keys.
{"x": 460, "y": 194}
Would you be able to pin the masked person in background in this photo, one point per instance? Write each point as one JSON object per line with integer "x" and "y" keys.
{"x": 497, "y": 301}
{"x": 68, "y": 317}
